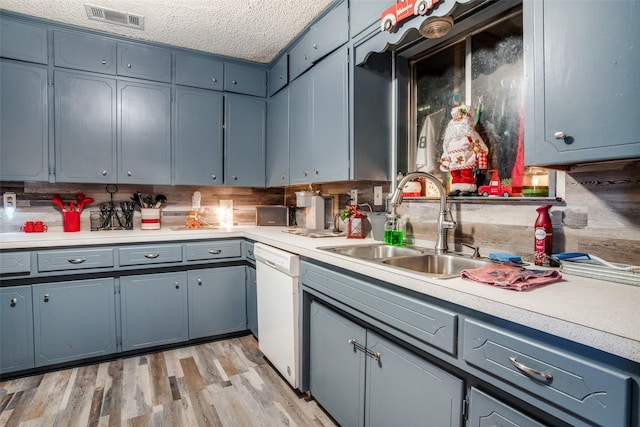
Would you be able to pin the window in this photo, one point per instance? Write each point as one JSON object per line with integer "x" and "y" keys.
{"x": 483, "y": 71}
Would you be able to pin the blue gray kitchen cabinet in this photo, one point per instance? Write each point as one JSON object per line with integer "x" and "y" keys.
{"x": 244, "y": 140}
{"x": 199, "y": 70}
{"x": 85, "y": 104}
{"x": 582, "y": 85}
{"x": 362, "y": 378}
{"x": 16, "y": 329}
{"x": 278, "y": 75}
{"x": 74, "y": 320}
{"x": 252, "y": 301}
{"x": 217, "y": 301}
{"x": 319, "y": 122}
{"x": 487, "y": 411}
{"x": 364, "y": 13}
{"x": 81, "y": 51}
{"x": 144, "y": 133}
{"x": 198, "y": 156}
{"x": 247, "y": 79}
{"x": 144, "y": 62}
{"x": 24, "y": 122}
{"x": 23, "y": 41}
{"x": 277, "y": 166}
{"x": 323, "y": 37}
{"x": 154, "y": 309}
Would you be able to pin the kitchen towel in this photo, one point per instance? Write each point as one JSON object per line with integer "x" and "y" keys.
{"x": 510, "y": 276}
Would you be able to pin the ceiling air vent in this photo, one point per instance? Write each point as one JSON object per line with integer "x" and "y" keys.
{"x": 99, "y": 13}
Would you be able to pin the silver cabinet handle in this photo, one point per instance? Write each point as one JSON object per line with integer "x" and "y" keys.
{"x": 534, "y": 373}
{"x": 214, "y": 80}
{"x": 46, "y": 297}
{"x": 559, "y": 135}
{"x": 213, "y": 177}
{"x": 151, "y": 256}
{"x": 103, "y": 62}
{"x": 215, "y": 251}
{"x": 128, "y": 65}
{"x": 199, "y": 282}
{"x": 177, "y": 285}
{"x": 129, "y": 173}
{"x": 317, "y": 171}
{"x": 235, "y": 178}
{"x": 305, "y": 57}
{"x": 281, "y": 77}
{"x": 235, "y": 82}
{"x": 14, "y": 302}
{"x": 315, "y": 46}
{"x": 305, "y": 173}
{"x": 104, "y": 173}
{"x": 76, "y": 260}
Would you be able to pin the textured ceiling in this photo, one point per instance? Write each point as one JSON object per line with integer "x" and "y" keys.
{"x": 255, "y": 30}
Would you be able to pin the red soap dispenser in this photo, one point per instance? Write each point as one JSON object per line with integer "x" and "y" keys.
{"x": 543, "y": 236}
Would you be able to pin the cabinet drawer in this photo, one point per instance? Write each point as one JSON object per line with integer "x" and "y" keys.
{"x": 199, "y": 71}
{"x": 213, "y": 250}
{"x": 15, "y": 262}
{"x": 153, "y": 254}
{"x": 278, "y": 75}
{"x": 331, "y": 32}
{"x": 144, "y": 62}
{"x": 412, "y": 319}
{"x": 246, "y": 79}
{"x": 299, "y": 57}
{"x": 75, "y": 259}
{"x": 589, "y": 390}
{"x": 84, "y": 52}
{"x": 23, "y": 41}
{"x": 484, "y": 411}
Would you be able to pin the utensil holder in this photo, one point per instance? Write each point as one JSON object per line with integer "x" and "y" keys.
{"x": 150, "y": 219}
{"x": 71, "y": 221}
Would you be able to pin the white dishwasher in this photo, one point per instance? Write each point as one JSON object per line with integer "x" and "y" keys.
{"x": 277, "y": 273}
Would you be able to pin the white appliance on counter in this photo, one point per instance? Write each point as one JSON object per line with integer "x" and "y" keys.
{"x": 277, "y": 273}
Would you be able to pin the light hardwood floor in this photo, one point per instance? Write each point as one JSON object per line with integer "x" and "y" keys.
{"x": 221, "y": 383}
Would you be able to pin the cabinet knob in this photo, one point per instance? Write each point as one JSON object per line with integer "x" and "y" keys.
{"x": 235, "y": 178}
{"x": 283, "y": 177}
{"x": 214, "y": 177}
{"x": 315, "y": 46}
{"x": 46, "y": 297}
{"x": 177, "y": 285}
{"x": 235, "y": 82}
{"x": 317, "y": 171}
{"x": 103, "y": 62}
{"x": 214, "y": 80}
{"x": 559, "y": 135}
{"x": 305, "y": 173}
{"x": 199, "y": 282}
{"x": 128, "y": 65}
{"x": 14, "y": 301}
{"x": 104, "y": 173}
{"x": 129, "y": 173}
{"x": 305, "y": 57}
{"x": 281, "y": 77}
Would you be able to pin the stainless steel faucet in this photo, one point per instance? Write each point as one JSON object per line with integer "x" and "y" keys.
{"x": 444, "y": 224}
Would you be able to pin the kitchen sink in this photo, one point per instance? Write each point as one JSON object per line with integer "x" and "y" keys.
{"x": 374, "y": 251}
{"x": 421, "y": 260}
{"x": 434, "y": 264}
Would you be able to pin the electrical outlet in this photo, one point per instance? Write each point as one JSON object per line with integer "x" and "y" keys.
{"x": 354, "y": 197}
{"x": 9, "y": 201}
{"x": 377, "y": 195}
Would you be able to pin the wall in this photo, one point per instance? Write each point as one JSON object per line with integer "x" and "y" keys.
{"x": 598, "y": 214}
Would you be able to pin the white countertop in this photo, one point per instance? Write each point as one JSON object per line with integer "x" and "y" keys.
{"x": 603, "y": 315}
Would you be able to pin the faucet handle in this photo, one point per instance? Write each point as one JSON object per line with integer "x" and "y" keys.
{"x": 476, "y": 250}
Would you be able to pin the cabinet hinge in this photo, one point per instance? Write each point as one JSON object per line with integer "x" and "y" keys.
{"x": 119, "y": 341}
{"x": 465, "y": 408}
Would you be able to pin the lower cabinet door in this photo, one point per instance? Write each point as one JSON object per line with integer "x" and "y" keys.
{"x": 217, "y": 301}
{"x": 74, "y": 320}
{"x": 153, "y": 310}
{"x": 485, "y": 411}
{"x": 337, "y": 367}
{"x": 252, "y": 301}
{"x": 405, "y": 389}
{"x": 16, "y": 329}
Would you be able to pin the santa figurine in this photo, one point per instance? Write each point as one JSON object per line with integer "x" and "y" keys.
{"x": 463, "y": 151}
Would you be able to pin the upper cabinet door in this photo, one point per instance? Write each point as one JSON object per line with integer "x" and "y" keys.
{"x": 246, "y": 79}
{"x": 84, "y": 52}
{"x": 244, "y": 140}
{"x": 198, "y": 141}
{"x": 582, "y": 85}
{"x": 85, "y": 105}
{"x": 144, "y": 62}
{"x": 278, "y": 139}
{"x": 199, "y": 71}
{"x": 24, "y": 122}
{"x": 278, "y": 75}
{"x": 144, "y": 133}
{"x": 331, "y": 32}
{"x": 23, "y": 41}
